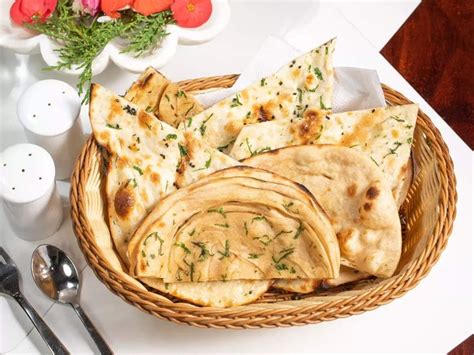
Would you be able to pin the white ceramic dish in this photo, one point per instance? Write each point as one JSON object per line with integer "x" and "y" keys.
{"x": 23, "y": 41}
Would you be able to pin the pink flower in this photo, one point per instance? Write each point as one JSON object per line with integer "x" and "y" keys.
{"x": 90, "y": 7}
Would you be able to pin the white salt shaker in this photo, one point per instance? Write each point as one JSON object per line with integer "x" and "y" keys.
{"x": 49, "y": 112}
{"x": 31, "y": 200}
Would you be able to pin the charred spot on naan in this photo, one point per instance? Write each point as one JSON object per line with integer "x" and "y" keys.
{"x": 352, "y": 190}
{"x": 309, "y": 129}
{"x": 145, "y": 120}
{"x": 124, "y": 201}
{"x": 364, "y": 128}
{"x": 372, "y": 192}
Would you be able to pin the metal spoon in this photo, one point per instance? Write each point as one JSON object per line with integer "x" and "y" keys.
{"x": 55, "y": 274}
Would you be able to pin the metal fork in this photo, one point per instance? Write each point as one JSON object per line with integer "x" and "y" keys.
{"x": 10, "y": 285}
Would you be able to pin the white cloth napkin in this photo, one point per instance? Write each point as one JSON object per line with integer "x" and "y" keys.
{"x": 354, "y": 88}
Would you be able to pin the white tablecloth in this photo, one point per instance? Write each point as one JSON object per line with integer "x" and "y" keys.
{"x": 434, "y": 317}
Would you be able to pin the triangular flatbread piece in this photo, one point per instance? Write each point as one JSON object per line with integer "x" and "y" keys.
{"x": 306, "y": 82}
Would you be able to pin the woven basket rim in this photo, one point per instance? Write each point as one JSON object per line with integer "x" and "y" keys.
{"x": 288, "y": 313}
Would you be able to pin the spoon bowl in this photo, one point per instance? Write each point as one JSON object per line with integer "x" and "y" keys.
{"x": 55, "y": 274}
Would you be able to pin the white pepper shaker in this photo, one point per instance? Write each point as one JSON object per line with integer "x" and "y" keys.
{"x": 28, "y": 189}
{"x": 49, "y": 112}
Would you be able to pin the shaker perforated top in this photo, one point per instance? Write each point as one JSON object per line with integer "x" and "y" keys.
{"x": 48, "y": 107}
{"x": 26, "y": 173}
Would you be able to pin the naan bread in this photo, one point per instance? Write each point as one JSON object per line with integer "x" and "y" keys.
{"x": 214, "y": 293}
{"x": 306, "y": 82}
{"x": 383, "y": 134}
{"x": 240, "y": 223}
{"x": 148, "y": 160}
{"x": 355, "y": 195}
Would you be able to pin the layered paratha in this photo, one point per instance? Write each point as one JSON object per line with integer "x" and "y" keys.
{"x": 306, "y": 82}
{"x": 214, "y": 293}
{"x": 355, "y": 195}
{"x": 385, "y": 135}
{"x": 240, "y": 223}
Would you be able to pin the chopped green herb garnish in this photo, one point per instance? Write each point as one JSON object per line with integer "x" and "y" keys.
{"x": 409, "y": 140}
{"x": 321, "y": 104}
{"x": 219, "y": 210}
{"x": 300, "y": 95}
{"x": 171, "y": 136}
{"x": 189, "y": 110}
{"x": 320, "y": 132}
{"x": 246, "y": 229}
{"x": 254, "y": 256}
{"x": 182, "y": 150}
{"x": 191, "y": 270}
{"x": 140, "y": 171}
{"x": 288, "y": 206}
{"x": 224, "y": 277}
{"x": 226, "y": 252}
{"x": 157, "y": 237}
{"x": 204, "y": 254}
{"x": 225, "y": 146}
{"x": 203, "y": 127}
{"x": 393, "y": 150}
{"x": 374, "y": 161}
{"x": 236, "y": 101}
{"x": 264, "y": 239}
{"x": 192, "y": 232}
{"x": 318, "y": 73}
{"x": 282, "y": 255}
{"x": 327, "y": 50}
{"x": 255, "y": 152}
{"x": 397, "y": 118}
{"x": 181, "y": 93}
{"x": 190, "y": 121}
{"x": 184, "y": 247}
{"x": 260, "y": 218}
{"x": 112, "y": 126}
{"x": 263, "y": 82}
{"x": 225, "y": 225}
{"x": 143, "y": 254}
{"x": 282, "y": 232}
{"x": 207, "y": 164}
{"x": 299, "y": 231}
{"x": 149, "y": 109}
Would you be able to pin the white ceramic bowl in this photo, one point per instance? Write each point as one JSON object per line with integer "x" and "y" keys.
{"x": 23, "y": 41}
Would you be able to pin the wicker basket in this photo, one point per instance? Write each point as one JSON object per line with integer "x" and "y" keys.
{"x": 427, "y": 216}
